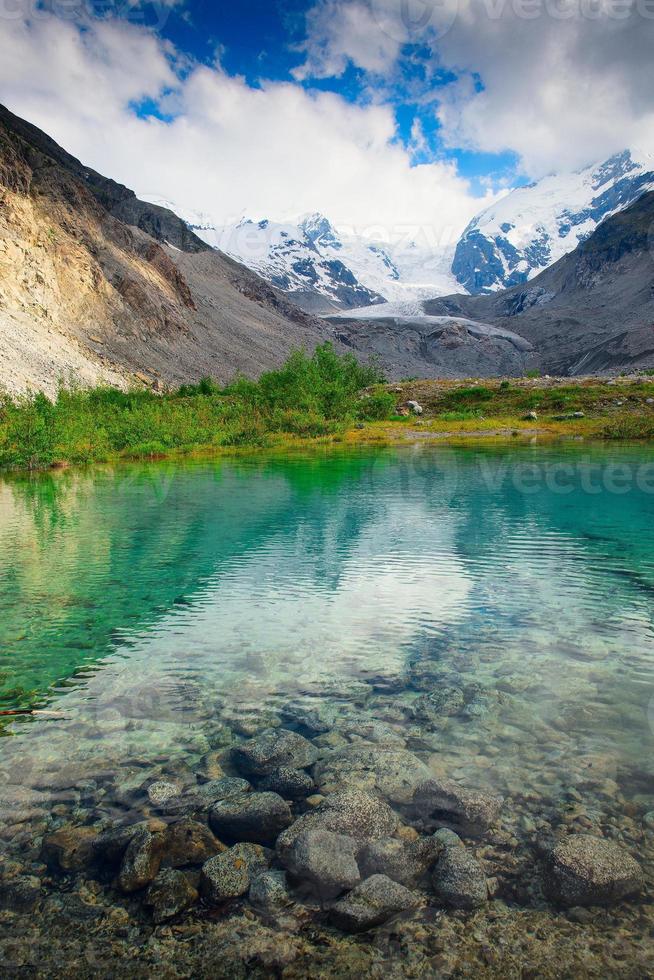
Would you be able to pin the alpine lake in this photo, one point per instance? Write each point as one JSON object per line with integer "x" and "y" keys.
{"x": 383, "y": 712}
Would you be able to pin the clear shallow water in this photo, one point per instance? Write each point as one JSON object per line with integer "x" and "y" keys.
{"x": 164, "y": 610}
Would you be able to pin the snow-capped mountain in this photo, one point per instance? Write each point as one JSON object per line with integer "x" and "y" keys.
{"x": 325, "y": 269}
{"x": 534, "y": 226}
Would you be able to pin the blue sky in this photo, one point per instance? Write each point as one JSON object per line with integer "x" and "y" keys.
{"x": 391, "y": 123}
{"x": 263, "y": 40}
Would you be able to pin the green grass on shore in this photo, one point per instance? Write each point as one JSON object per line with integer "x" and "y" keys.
{"x": 309, "y": 397}
{"x": 319, "y": 397}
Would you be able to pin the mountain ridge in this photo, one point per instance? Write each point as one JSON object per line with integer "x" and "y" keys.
{"x": 100, "y": 287}
{"x": 532, "y": 227}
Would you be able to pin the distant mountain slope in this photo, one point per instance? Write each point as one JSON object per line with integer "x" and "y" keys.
{"x": 593, "y": 310}
{"x": 422, "y": 345}
{"x": 99, "y": 286}
{"x": 325, "y": 269}
{"x": 534, "y": 226}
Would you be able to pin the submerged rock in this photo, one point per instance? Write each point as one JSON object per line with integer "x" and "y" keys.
{"x": 169, "y": 894}
{"x": 69, "y": 849}
{"x": 444, "y": 801}
{"x": 162, "y": 792}
{"x": 459, "y": 880}
{"x": 438, "y": 705}
{"x": 584, "y": 870}
{"x": 221, "y": 789}
{"x": 314, "y": 719}
{"x": 372, "y": 903}
{"x": 20, "y": 893}
{"x": 292, "y": 784}
{"x": 110, "y": 846}
{"x": 392, "y": 773}
{"x": 190, "y": 842}
{"x": 255, "y": 817}
{"x": 353, "y": 814}
{"x": 273, "y": 749}
{"x": 142, "y": 861}
{"x": 327, "y": 861}
{"x": 269, "y": 891}
{"x": 256, "y": 857}
{"x": 223, "y": 877}
{"x": 402, "y": 861}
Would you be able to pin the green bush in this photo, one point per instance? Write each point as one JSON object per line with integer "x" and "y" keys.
{"x": 310, "y": 396}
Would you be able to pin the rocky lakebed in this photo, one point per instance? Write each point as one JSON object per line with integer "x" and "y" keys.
{"x": 318, "y": 840}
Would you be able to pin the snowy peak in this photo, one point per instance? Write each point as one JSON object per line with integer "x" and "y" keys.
{"x": 534, "y": 226}
{"x": 325, "y": 268}
{"x": 319, "y": 231}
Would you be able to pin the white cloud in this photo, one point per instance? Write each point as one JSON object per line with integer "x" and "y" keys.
{"x": 563, "y": 82}
{"x": 275, "y": 151}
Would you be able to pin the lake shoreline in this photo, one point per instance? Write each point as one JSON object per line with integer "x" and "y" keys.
{"x": 444, "y": 411}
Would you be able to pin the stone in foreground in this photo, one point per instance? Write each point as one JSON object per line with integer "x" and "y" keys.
{"x": 69, "y": 849}
{"x": 190, "y": 842}
{"x": 389, "y": 772}
{"x": 223, "y": 877}
{"x": 469, "y": 812}
{"x": 402, "y": 861}
{"x": 372, "y": 903}
{"x": 459, "y": 881}
{"x": 325, "y": 860}
{"x": 584, "y": 870}
{"x": 255, "y": 817}
{"x": 269, "y": 891}
{"x": 169, "y": 894}
{"x": 292, "y": 784}
{"x": 273, "y": 749}
{"x": 142, "y": 861}
{"x": 352, "y": 814}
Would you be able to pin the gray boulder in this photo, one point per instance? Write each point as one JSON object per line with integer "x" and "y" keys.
{"x": 402, "y": 861}
{"x": 255, "y": 817}
{"x": 292, "y": 784}
{"x": 326, "y": 861}
{"x": 269, "y": 891}
{"x": 224, "y": 877}
{"x": 372, "y": 903}
{"x": 446, "y": 838}
{"x": 389, "y": 772}
{"x": 459, "y": 880}
{"x": 314, "y": 719}
{"x": 584, "y": 870}
{"x": 445, "y": 802}
{"x": 256, "y": 857}
{"x": 353, "y": 814}
{"x": 221, "y": 789}
{"x": 272, "y": 749}
{"x": 141, "y": 861}
{"x": 169, "y": 894}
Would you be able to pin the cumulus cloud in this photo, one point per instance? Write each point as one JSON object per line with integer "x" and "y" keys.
{"x": 559, "y": 82}
{"x": 276, "y": 151}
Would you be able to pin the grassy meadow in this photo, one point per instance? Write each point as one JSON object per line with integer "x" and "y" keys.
{"x": 320, "y": 397}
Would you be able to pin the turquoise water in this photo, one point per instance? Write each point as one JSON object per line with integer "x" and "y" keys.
{"x": 158, "y": 610}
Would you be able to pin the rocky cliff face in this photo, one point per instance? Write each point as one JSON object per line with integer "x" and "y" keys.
{"x": 591, "y": 311}
{"x": 92, "y": 285}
